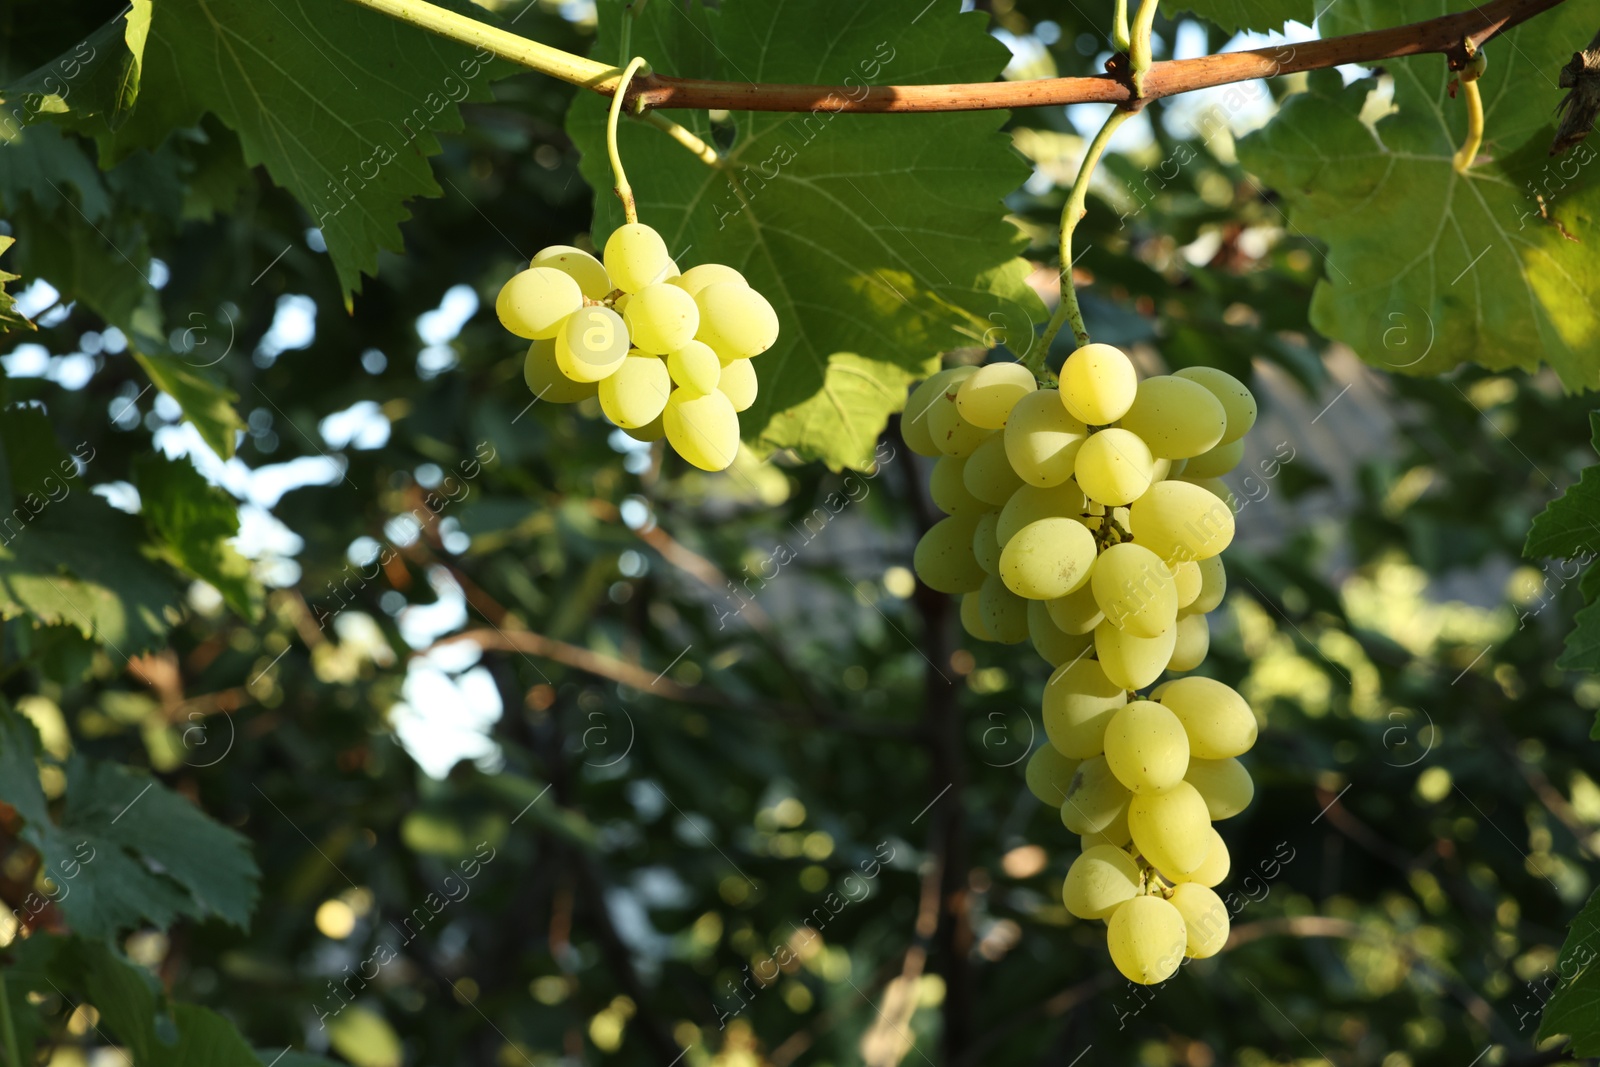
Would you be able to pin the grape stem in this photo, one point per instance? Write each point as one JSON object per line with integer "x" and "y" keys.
{"x": 1139, "y": 55}
{"x": 624, "y": 191}
{"x": 1120, "y": 40}
{"x": 1474, "y": 100}
{"x": 1067, "y": 310}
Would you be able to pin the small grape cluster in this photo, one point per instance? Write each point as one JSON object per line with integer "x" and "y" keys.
{"x": 667, "y": 352}
{"x": 1090, "y": 519}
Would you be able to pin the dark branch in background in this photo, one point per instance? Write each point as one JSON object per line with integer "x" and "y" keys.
{"x": 1580, "y": 106}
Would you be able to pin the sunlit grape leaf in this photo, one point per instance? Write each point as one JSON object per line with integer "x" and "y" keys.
{"x": 193, "y": 521}
{"x": 1427, "y": 268}
{"x": 1574, "y": 1009}
{"x": 97, "y": 78}
{"x": 340, "y": 104}
{"x": 205, "y": 402}
{"x": 10, "y": 317}
{"x": 1236, "y": 15}
{"x": 881, "y": 240}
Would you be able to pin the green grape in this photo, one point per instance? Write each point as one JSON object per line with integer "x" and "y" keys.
{"x": 1159, "y": 468}
{"x": 1094, "y": 798}
{"x": 953, "y": 435}
{"x": 1194, "y": 642}
{"x": 697, "y": 278}
{"x": 636, "y": 257}
{"x": 1217, "y": 719}
{"x": 972, "y": 618}
{"x": 651, "y": 431}
{"x": 948, "y": 488}
{"x": 1147, "y": 938}
{"x": 694, "y": 366}
{"x": 1170, "y": 829}
{"x": 1205, "y": 919}
{"x": 702, "y": 429}
{"x": 1048, "y": 559}
{"x": 1146, "y": 747}
{"x": 1215, "y": 867}
{"x": 1098, "y": 384}
{"x": 1114, "y": 467}
{"x": 592, "y": 344}
{"x": 735, "y": 320}
{"x": 1180, "y": 521}
{"x": 914, "y": 428}
{"x": 1076, "y": 613}
{"x": 1224, "y": 785}
{"x": 1099, "y": 880}
{"x": 984, "y": 545}
{"x": 1135, "y": 590}
{"x": 535, "y": 303}
{"x": 944, "y": 559}
{"x": 1048, "y": 773}
{"x": 1176, "y": 417}
{"x": 1213, "y": 584}
{"x": 1031, "y": 503}
{"x": 737, "y": 382}
{"x": 1215, "y": 463}
{"x": 544, "y": 376}
{"x": 988, "y": 472}
{"x": 1129, "y": 661}
{"x": 1236, "y": 400}
{"x": 1186, "y": 575}
{"x": 986, "y": 398}
{"x": 1115, "y": 833}
{"x": 1004, "y": 613}
{"x": 1053, "y": 645}
{"x": 636, "y": 394}
{"x": 1042, "y": 439}
{"x": 1079, "y": 700}
{"x": 579, "y": 265}
{"x": 1217, "y": 488}
{"x": 661, "y": 319}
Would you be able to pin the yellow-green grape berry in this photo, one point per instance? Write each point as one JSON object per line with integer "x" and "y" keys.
{"x": 545, "y": 380}
{"x": 1098, "y": 384}
{"x": 944, "y": 559}
{"x": 1049, "y": 774}
{"x": 1148, "y": 939}
{"x": 952, "y": 434}
{"x": 972, "y": 618}
{"x": 1217, "y": 488}
{"x": 1237, "y": 402}
{"x": 1224, "y": 785}
{"x": 588, "y": 272}
{"x": 697, "y": 278}
{"x": 1054, "y": 645}
{"x": 662, "y": 319}
{"x": 1129, "y": 661}
{"x": 735, "y": 320}
{"x": 1099, "y": 880}
{"x": 1205, "y": 919}
{"x": 1048, "y": 559}
{"x": 1193, "y": 644}
{"x": 592, "y": 344}
{"x": 1176, "y": 417}
{"x": 1076, "y": 613}
{"x": 636, "y": 394}
{"x": 947, "y": 485}
{"x": 654, "y": 430}
{"x": 1004, "y": 613}
{"x": 703, "y": 429}
{"x": 1042, "y": 439}
{"x": 1217, "y": 719}
{"x": 1079, "y": 701}
{"x": 1186, "y": 576}
{"x": 1146, "y": 747}
{"x": 696, "y": 368}
{"x": 1135, "y": 590}
{"x": 914, "y": 425}
{"x": 1114, "y": 467}
{"x": 986, "y": 398}
{"x": 535, "y": 302}
{"x": 636, "y": 257}
{"x": 1169, "y": 829}
{"x": 1181, "y": 521}
{"x": 1115, "y": 833}
{"x": 984, "y": 544}
{"x": 737, "y": 381}
{"x": 1094, "y": 798}
{"x": 1213, "y": 585}
{"x": 988, "y": 472}
{"x": 1215, "y": 463}
{"x": 1031, "y": 503}
{"x": 1215, "y": 867}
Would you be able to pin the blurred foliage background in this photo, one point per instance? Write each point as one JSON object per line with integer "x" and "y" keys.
{"x": 533, "y": 715}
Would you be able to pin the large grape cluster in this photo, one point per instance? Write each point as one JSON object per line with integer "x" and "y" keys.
{"x": 1090, "y": 519}
{"x": 667, "y": 352}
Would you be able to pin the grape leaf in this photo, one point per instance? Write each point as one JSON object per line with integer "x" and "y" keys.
{"x": 880, "y": 239}
{"x": 192, "y": 521}
{"x": 1427, "y": 268}
{"x": 1236, "y": 15}
{"x": 339, "y": 103}
{"x": 127, "y": 850}
{"x": 66, "y": 556}
{"x": 1569, "y": 525}
{"x": 205, "y": 402}
{"x": 98, "y": 78}
{"x": 1574, "y": 1009}
{"x": 10, "y": 317}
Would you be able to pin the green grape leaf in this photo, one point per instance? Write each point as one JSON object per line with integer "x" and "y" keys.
{"x": 1582, "y": 651}
{"x": 98, "y": 78}
{"x": 1236, "y": 15}
{"x": 881, "y": 240}
{"x": 340, "y": 104}
{"x": 205, "y": 402}
{"x": 1574, "y": 1008}
{"x": 1569, "y": 526}
{"x": 66, "y": 556}
{"x": 127, "y": 850}
{"x": 192, "y": 521}
{"x": 1427, "y": 268}
{"x": 10, "y": 317}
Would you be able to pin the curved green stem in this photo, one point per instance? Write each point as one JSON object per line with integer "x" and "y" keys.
{"x": 1474, "y": 141}
{"x": 630, "y": 209}
{"x": 704, "y": 152}
{"x": 1121, "y": 40}
{"x": 1139, "y": 56}
{"x": 1068, "y": 310}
